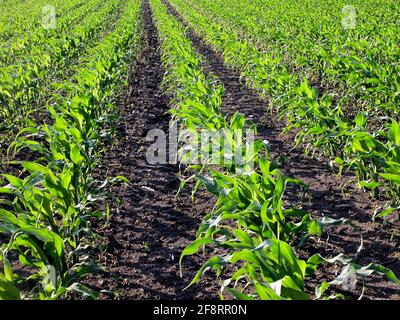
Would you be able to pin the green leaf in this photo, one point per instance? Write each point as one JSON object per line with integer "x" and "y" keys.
{"x": 361, "y": 119}
{"x": 239, "y": 295}
{"x": 394, "y": 133}
{"x": 216, "y": 261}
{"x": 122, "y": 179}
{"x": 80, "y": 270}
{"x": 35, "y": 167}
{"x": 192, "y": 248}
{"x": 369, "y": 184}
{"x": 8, "y": 291}
{"x": 385, "y": 212}
{"x": 391, "y": 177}
{"x": 75, "y": 155}
{"x": 84, "y": 291}
{"x": 377, "y": 268}
{"x": 8, "y": 272}
{"x": 46, "y": 236}
{"x": 8, "y": 217}
{"x": 14, "y": 181}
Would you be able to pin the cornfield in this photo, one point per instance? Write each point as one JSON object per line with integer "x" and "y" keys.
{"x": 293, "y": 193}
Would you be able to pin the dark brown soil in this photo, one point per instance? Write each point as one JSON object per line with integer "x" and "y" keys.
{"x": 150, "y": 228}
{"x": 328, "y": 194}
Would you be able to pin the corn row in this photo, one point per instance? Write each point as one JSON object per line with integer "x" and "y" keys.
{"x": 358, "y": 65}
{"x": 23, "y": 84}
{"x": 355, "y": 143}
{"x": 249, "y": 229}
{"x": 48, "y": 214}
